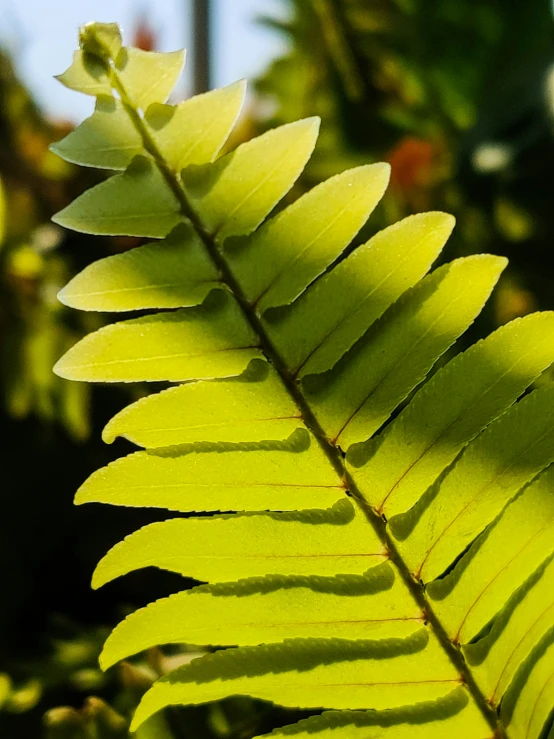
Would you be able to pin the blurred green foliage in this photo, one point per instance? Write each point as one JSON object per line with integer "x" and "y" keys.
{"x": 458, "y": 97}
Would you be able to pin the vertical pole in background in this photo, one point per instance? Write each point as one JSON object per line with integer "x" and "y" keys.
{"x": 201, "y": 33}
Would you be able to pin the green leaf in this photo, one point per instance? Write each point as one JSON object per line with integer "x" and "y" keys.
{"x": 135, "y": 203}
{"x": 278, "y": 476}
{"x": 86, "y": 74}
{"x": 533, "y": 702}
{"x": 454, "y": 717}
{"x": 493, "y": 468}
{"x": 148, "y": 76}
{"x": 254, "y": 407}
{"x": 528, "y": 617}
{"x": 172, "y": 273}
{"x": 409, "y": 456}
{"x": 235, "y": 194}
{"x": 317, "y": 542}
{"x": 194, "y": 131}
{"x": 468, "y": 598}
{"x": 268, "y": 609}
{"x": 211, "y": 340}
{"x": 107, "y": 139}
{"x": 358, "y": 396}
{"x": 311, "y": 673}
{"x": 336, "y": 311}
{"x": 275, "y": 265}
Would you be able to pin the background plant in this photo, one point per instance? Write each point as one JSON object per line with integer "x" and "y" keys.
{"x": 470, "y": 133}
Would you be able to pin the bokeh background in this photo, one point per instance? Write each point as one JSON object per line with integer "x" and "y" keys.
{"x": 457, "y": 96}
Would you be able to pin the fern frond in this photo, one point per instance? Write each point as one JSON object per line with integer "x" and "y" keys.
{"x": 399, "y": 572}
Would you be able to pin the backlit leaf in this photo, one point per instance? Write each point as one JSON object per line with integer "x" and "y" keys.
{"x": 172, "y": 273}
{"x": 135, "y": 203}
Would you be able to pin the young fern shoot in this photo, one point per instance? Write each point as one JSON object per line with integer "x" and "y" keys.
{"x": 382, "y": 536}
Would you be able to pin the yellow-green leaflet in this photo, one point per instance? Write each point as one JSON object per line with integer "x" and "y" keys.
{"x": 277, "y": 608}
{"x": 190, "y": 133}
{"x": 311, "y": 673}
{"x": 357, "y": 397}
{"x": 277, "y": 262}
{"x": 533, "y": 703}
{"x": 472, "y": 594}
{"x": 172, "y": 273}
{"x": 346, "y": 301}
{"x": 328, "y": 319}
{"x": 107, "y": 140}
{"x": 253, "y": 407}
{"x": 86, "y": 74}
{"x": 507, "y": 455}
{"x": 409, "y": 456}
{"x": 272, "y": 476}
{"x": 236, "y": 193}
{"x": 135, "y": 203}
{"x": 526, "y": 621}
{"x": 453, "y": 717}
{"x": 148, "y": 76}
{"x": 375, "y": 507}
{"x": 310, "y": 542}
{"x": 203, "y": 342}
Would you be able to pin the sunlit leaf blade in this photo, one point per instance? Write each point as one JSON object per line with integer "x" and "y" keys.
{"x": 107, "y": 139}
{"x": 336, "y": 311}
{"x": 527, "y": 618}
{"x": 222, "y": 548}
{"x": 280, "y": 476}
{"x": 312, "y": 673}
{"x": 455, "y": 717}
{"x": 135, "y": 203}
{"x": 86, "y": 74}
{"x": 211, "y": 340}
{"x": 148, "y": 76}
{"x": 457, "y": 402}
{"x": 172, "y": 273}
{"x": 194, "y": 131}
{"x": 483, "y": 581}
{"x": 265, "y": 610}
{"x": 277, "y": 263}
{"x": 251, "y": 408}
{"x": 358, "y": 396}
{"x": 237, "y": 192}
{"x": 506, "y": 456}
{"x": 526, "y": 711}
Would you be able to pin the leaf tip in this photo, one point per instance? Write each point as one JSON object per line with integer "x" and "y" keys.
{"x": 103, "y": 661}
{"x": 82, "y": 495}
{"x": 61, "y": 218}
{"x": 60, "y": 368}
{"x": 313, "y": 122}
{"x": 109, "y": 433}
{"x": 64, "y": 296}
